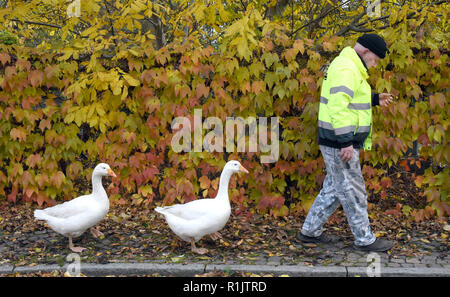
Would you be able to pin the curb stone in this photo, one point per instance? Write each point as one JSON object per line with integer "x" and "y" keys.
{"x": 291, "y": 270}
{"x": 401, "y": 272}
{"x": 142, "y": 269}
{"x": 5, "y": 269}
{"x": 189, "y": 270}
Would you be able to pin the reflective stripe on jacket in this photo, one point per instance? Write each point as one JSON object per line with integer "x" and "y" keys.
{"x": 345, "y": 111}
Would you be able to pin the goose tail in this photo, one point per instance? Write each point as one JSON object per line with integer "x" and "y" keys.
{"x": 39, "y": 214}
{"x": 160, "y": 210}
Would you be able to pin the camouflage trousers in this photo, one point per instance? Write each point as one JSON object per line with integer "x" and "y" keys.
{"x": 343, "y": 184}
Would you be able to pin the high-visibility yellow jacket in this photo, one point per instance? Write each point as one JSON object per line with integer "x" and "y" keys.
{"x": 345, "y": 112}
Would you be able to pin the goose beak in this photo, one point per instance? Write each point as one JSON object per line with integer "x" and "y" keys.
{"x": 111, "y": 173}
{"x": 242, "y": 169}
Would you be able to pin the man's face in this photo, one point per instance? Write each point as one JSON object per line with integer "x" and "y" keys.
{"x": 371, "y": 59}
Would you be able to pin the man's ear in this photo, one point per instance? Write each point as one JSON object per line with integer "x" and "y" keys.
{"x": 364, "y": 50}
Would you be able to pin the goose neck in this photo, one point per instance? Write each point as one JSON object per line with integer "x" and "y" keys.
{"x": 97, "y": 187}
{"x": 223, "y": 183}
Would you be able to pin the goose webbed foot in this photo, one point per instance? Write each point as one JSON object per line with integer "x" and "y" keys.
{"x": 96, "y": 233}
{"x": 200, "y": 251}
{"x": 75, "y": 249}
{"x": 215, "y": 236}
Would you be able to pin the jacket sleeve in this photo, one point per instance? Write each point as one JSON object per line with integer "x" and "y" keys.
{"x": 342, "y": 89}
{"x": 375, "y": 99}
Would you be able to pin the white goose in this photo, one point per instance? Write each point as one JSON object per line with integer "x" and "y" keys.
{"x": 73, "y": 217}
{"x": 193, "y": 220}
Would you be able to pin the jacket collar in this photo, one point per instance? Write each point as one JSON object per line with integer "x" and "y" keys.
{"x": 364, "y": 63}
{"x": 349, "y": 53}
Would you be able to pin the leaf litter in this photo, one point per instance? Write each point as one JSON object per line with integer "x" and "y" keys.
{"x": 139, "y": 235}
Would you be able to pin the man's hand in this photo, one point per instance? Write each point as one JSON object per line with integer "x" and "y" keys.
{"x": 386, "y": 99}
{"x": 346, "y": 153}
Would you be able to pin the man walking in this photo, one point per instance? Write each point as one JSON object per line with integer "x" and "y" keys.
{"x": 345, "y": 126}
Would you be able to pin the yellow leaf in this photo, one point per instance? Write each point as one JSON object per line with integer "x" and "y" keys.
{"x": 380, "y": 234}
{"x": 133, "y": 52}
{"x": 67, "y": 54}
{"x": 204, "y": 258}
{"x": 131, "y": 80}
{"x": 425, "y": 240}
{"x": 124, "y": 93}
{"x": 116, "y": 87}
{"x": 99, "y": 108}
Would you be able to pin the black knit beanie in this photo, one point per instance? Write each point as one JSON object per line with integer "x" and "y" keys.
{"x": 374, "y": 43}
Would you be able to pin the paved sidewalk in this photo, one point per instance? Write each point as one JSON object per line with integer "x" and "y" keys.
{"x": 189, "y": 270}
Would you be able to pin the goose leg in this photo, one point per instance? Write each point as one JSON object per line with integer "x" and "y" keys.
{"x": 76, "y": 249}
{"x": 96, "y": 233}
{"x": 197, "y": 250}
{"x": 215, "y": 236}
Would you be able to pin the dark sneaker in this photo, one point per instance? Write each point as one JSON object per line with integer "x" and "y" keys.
{"x": 323, "y": 238}
{"x": 379, "y": 245}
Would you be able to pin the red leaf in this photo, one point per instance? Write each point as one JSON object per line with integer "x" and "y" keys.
{"x": 41, "y": 198}
{"x": 393, "y": 212}
{"x": 5, "y": 58}
{"x": 204, "y": 182}
{"x": 27, "y": 179}
{"x": 74, "y": 170}
{"x": 285, "y": 166}
{"x": 404, "y": 164}
{"x": 386, "y": 182}
{"x": 13, "y": 195}
{"x": 419, "y": 180}
{"x": 35, "y": 77}
{"x": 28, "y": 193}
{"x": 258, "y": 86}
{"x": 418, "y": 215}
{"x": 202, "y": 90}
{"x": 170, "y": 196}
{"x": 136, "y": 160}
{"x": 41, "y": 179}
{"x": 18, "y": 134}
{"x": 437, "y": 99}
{"x": 33, "y": 160}
{"x": 266, "y": 202}
{"x": 57, "y": 178}
{"x": 45, "y": 124}
{"x": 423, "y": 139}
{"x": 150, "y": 172}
